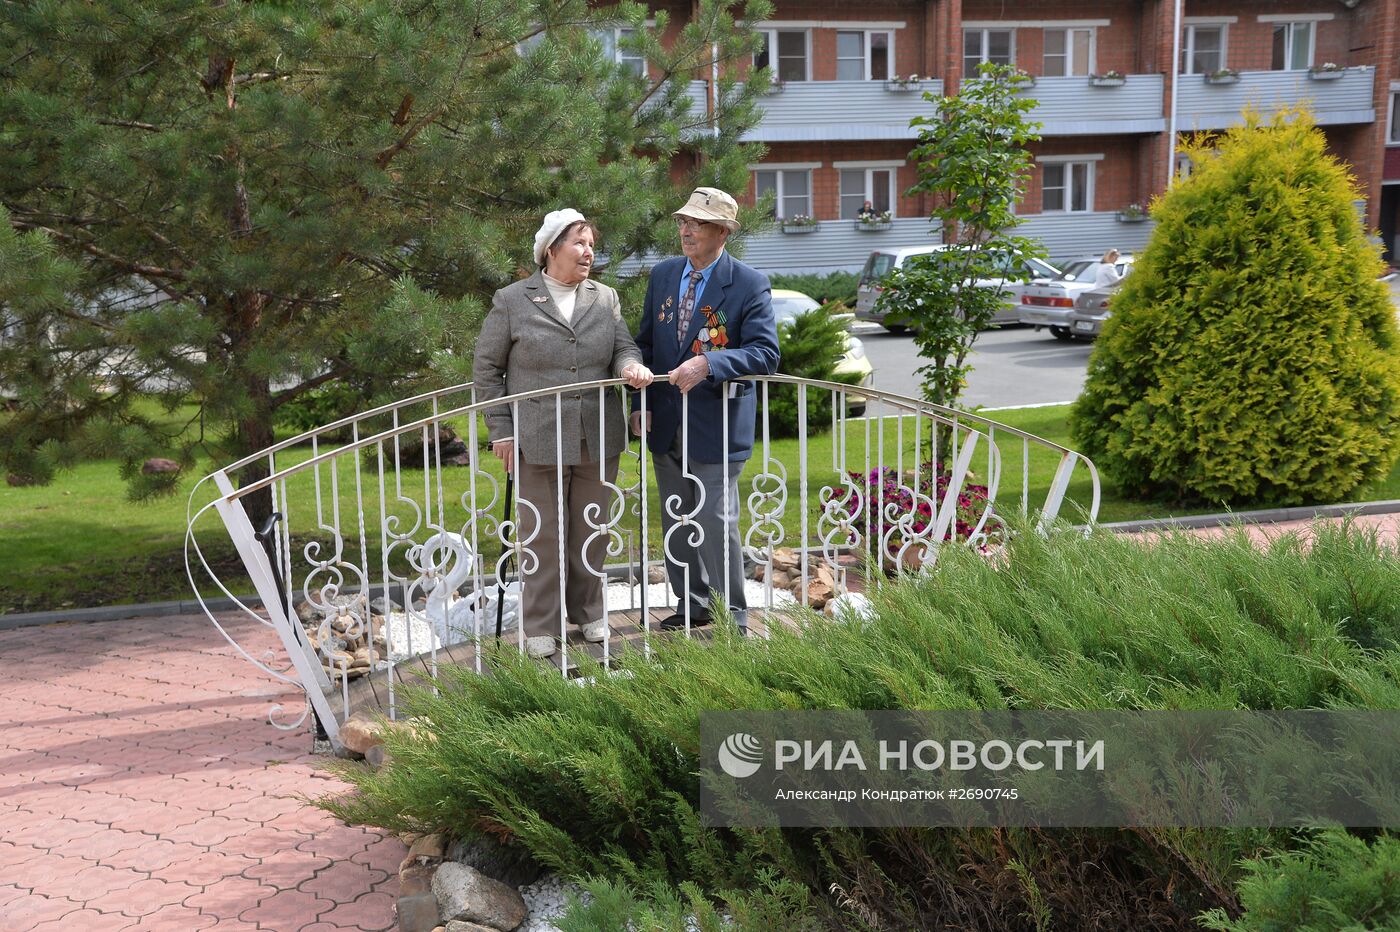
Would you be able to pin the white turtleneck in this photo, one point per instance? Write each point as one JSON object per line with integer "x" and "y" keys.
{"x": 564, "y": 296}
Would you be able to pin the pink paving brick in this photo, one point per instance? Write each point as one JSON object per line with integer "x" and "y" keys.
{"x": 370, "y": 911}
{"x": 143, "y": 897}
{"x": 287, "y": 909}
{"x": 149, "y": 790}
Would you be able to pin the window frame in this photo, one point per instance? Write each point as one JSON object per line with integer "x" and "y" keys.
{"x": 770, "y": 34}
{"x": 779, "y": 171}
{"x": 1188, "y": 46}
{"x": 866, "y": 47}
{"x": 1068, "y": 55}
{"x": 1289, "y": 27}
{"x": 1066, "y": 163}
{"x": 984, "y": 32}
{"x": 1392, "y": 130}
{"x": 867, "y": 169}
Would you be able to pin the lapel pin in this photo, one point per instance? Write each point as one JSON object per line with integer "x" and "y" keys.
{"x": 539, "y": 299}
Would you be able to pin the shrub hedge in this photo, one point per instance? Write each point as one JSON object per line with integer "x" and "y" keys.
{"x": 602, "y": 781}
{"x": 1252, "y": 356}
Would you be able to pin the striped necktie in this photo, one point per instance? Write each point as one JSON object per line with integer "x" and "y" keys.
{"x": 687, "y": 307}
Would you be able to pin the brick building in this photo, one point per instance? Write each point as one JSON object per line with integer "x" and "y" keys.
{"x": 837, "y": 128}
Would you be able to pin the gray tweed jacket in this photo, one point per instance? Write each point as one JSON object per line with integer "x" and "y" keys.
{"x": 526, "y": 344}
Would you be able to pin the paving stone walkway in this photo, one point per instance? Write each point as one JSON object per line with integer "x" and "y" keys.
{"x": 142, "y": 788}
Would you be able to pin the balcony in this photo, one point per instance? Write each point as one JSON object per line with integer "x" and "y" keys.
{"x": 1073, "y": 106}
{"x": 837, "y": 110}
{"x": 1348, "y": 99}
{"x": 835, "y": 246}
{"x": 1072, "y": 236}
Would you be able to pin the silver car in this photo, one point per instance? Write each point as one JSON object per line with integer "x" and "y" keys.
{"x": 1049, "y": 303}
{"x": 882, "y": 261}
{"x": 1090, "y": 311}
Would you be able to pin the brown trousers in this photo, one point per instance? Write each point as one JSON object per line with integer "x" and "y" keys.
{"x": 541, "y": 608}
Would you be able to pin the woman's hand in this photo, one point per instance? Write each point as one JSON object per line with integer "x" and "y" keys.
{"x": 505, "y": 451}
{"x": 637, "y": 375}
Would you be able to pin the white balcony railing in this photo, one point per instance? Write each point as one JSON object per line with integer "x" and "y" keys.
{"x": 1073, "y": 106}
{"x": 378, "y": 507}
{"x": 1204, "y": 105}
{"x": 840, "y": 110}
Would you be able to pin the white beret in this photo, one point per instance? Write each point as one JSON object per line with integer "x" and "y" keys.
{"x": 554, "y": 223}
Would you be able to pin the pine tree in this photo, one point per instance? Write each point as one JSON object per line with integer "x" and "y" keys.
{"x": 268, "y": 197}
{"x": 1252, "y": 356}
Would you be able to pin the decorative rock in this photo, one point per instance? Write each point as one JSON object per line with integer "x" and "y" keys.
{"x": 510, "y": 864}
{"x": 418, "y": 912}
{"x": 656, "y": 574}
{"x": 307, "y": 613}
{"x": 416, "y": 878}
{"x": 781, "y": 580}
{"x": 377, "y": 757}
{"x": 850, "y": 607}
{"x": 457, "y": 925}
{"x": 359, "y": 735}
{"x": 465, "y": 893}
{"x": 156, "y": 466}
{"x": 428, "y": 846}
{"x": 786, "y": 559}
{"x": 818, "y": 594}
{"x": 381, "y": 607}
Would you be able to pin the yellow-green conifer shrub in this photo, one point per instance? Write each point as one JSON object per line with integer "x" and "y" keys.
{"x": 1252, "y": 356}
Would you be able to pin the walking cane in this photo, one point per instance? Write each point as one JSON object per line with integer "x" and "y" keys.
{"x": 500, "y": 586}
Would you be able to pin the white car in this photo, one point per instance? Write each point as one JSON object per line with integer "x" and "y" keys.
{"x": 882, "y": 261}
{"x": 1048, "y": 303}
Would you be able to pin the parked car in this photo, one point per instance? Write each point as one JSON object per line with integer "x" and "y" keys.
{"x": 1049, "y": 303}
{"x": 1090, "y": 311}
{"x": 788, "y": 304}
{"x": 883, "y": 261}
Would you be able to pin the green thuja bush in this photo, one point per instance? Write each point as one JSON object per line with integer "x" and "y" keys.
{"x": 1334, "y": 883}
{"x": 831, "y": 288}
{"x": 1252, "y": 356}
{"x": 810, "y": 345}
{"x": 601, "y": 780}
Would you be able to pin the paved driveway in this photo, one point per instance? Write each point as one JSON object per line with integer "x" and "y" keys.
{"x": 141, "y": 787}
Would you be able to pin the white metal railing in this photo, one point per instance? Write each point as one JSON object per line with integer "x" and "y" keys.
{"x": 370, "y": 506}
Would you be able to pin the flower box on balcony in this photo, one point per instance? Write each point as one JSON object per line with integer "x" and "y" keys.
{"x": 800, "y": 226}
{"x": 1223, "y": 77}
{"x": 1108, "y": 79}
{"x": 1129, "y": 216}
{"x": 775, "y": 88}
{"x": 1326, "y": 73}
{"x": 872, "y": 226}
{"x": 904, "y": 85}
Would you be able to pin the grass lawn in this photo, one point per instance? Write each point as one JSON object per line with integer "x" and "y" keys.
{"x": 80, "y": 542}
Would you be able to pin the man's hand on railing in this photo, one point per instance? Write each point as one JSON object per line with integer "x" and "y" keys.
{"x": 505, "y": 451}
{"x": 690, "y": 373}
{"x": 637, "y": 375}
{"x": 637, "y": 423}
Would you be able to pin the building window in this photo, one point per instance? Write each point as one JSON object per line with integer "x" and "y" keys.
{"x": 629, "y": 59}
{"x": 1067, "y": 187}
{"x": 791, "y": 190}
{"x": 1069, "y": 52}
{"x": 997, "y": 46}
{"x": 859, "y": 185}
{"x": 864, "y": 55}
{"x": 1204, "y": 50}
{"x": 1293, "y": 46}
{"x": 785, "y": 51}
{"x": 1393, "y": 135}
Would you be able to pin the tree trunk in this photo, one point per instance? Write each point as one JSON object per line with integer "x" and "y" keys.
{"x": 254, "y": 434}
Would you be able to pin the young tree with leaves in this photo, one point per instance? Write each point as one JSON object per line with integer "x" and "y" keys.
{"x": 972, "y": 159}
{"x": 266, "y": 198}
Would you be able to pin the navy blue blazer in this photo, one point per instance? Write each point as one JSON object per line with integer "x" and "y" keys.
{"x": 741, "y": 297}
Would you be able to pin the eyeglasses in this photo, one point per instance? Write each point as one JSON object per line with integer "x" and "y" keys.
{"x": 690, "y": 223}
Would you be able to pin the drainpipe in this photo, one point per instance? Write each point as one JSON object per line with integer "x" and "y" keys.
{"x": 1171, "y": 122}
{"x": 714, "y": 86}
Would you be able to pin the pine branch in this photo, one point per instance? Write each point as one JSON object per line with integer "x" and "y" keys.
{"x": 137, "y": 268}
{"x": 131, "y": 124}
{"x": 296, "y": 391}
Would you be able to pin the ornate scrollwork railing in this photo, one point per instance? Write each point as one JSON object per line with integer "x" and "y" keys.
{"x": 398, "y": 540}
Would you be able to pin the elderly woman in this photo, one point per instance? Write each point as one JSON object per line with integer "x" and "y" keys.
{"x": 553, "y": 329}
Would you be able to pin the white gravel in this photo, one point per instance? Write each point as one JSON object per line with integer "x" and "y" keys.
{"x": 547, "y": 900}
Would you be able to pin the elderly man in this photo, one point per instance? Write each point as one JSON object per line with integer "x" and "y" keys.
{"x": 708, "y": 320}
